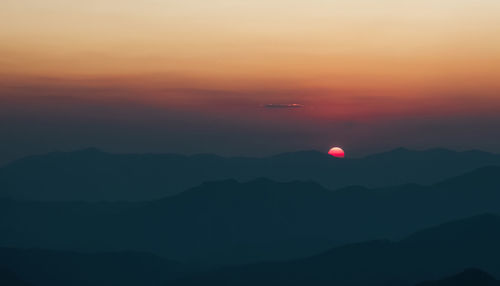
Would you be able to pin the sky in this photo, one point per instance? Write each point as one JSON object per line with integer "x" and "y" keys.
{"x": 252, "y": 78}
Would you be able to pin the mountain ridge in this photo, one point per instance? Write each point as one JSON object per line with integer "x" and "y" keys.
{"x": 368, "y": 263}
{"x": 380, "y": 262}
{"x": 468, "y": 277}
{"x": 93, "y": 175}
{"x": 234, "y": 222}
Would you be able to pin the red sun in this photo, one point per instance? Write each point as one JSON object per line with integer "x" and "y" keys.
{"x": 336, "y": 152}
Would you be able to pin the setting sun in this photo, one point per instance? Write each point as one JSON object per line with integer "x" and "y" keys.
{"x": 337, "y": 152}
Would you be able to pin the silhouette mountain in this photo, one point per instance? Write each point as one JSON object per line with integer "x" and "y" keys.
{"x": 8, "y": 278}
{"x": 93, "y": 175}
{"x": 48, "y": 267}
{"x": 469, "y": 277}
{"x": 232, "y": 222}
{"x": 426, "y": 256}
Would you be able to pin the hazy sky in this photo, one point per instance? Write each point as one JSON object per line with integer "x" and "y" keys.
{"x": 196, "y": 76}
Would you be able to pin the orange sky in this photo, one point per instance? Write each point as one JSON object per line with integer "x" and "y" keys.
{"x": 363, "y": 61}
{"x": 315, "y": 43}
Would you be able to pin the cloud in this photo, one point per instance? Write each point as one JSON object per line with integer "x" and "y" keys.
{"x": 284, "y": 105}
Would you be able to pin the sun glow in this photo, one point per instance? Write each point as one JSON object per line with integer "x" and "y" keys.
{"x": 337, "y": 152}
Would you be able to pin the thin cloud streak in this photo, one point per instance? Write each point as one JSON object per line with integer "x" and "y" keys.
{"x": 284, "y": 105}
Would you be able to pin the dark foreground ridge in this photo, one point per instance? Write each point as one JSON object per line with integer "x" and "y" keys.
{"x": 427, "y": 255}
{"x": 9, "y": 278}
{"x": 62, "y": 268}
{"x": 469, "y": 277}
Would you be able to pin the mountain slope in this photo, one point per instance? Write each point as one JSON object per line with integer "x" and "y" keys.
{"x": 232, "y": 222}
{"x": 48, "y": 267}
{"x": 8, "y": 278}
{"x": 468, "y": 277}
{"x": 377, "y": 262}
{"x": 93, "y": 175}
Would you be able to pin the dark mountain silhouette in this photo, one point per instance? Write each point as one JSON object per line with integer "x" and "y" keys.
{"x": 427, "y": 255}
{"x": 54, "y": 268}
{"x": 424, "y": 256}
{"x": 8, "y": 278}
{"x": 232, "y": 222}
{"x": 469, "y": 277}
{"x": 225, "y": 221}
{"x": 93, "y": 175}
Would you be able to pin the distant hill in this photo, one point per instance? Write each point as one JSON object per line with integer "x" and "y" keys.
{"x": 93, "y": 175}
{"x": 58, "y": 268}
{"x": 469, "y": 277}
{"x": 427, "y": 256}
{"x": 232, "y": 222}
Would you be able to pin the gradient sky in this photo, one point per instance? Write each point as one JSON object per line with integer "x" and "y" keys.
{"x": 199, "y": 76}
